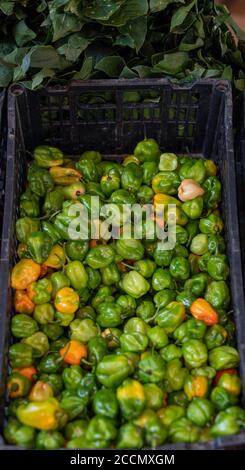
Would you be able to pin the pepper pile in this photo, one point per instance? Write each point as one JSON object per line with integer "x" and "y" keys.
{"x": 118, "y": 342}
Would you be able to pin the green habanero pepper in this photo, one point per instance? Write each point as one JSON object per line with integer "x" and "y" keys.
{"x": 25, "y": 227}
{"x": 128, "y": 305}
{"x": 73, "y": 191}
{"x": 52, "y": 363}
{"x": 166, "y": 182}
{"x": 39, "y": 245}
{"x": 52, "y": 330}
{"x": 216, "y": 244}
{"x": 215, "y": 336}
{"x": 129, "y": 437}
{"x": 195, "y": 353}
{"x": 112, "y": 370}
{"x": 183, "y": 430}
{"x": 88, "y": 170}
{"x": 144, "y": 194}
{"x": 161, "y": 256}
{"x": 51, "y": 231}
{"x": 76, "y": 429}
{"x": 163, "y": 298}
{"x": 72, "y": 377}
{"x": 23, "y": 326}
{"x": 59, "y": 280}
{"x": 130, "y": 249}
{"x": 109, "y": 183}
{"x": 110, "y": 274}
{"x": 94, "y": 278}
{"x": 145, "y": 310}
{"x": 193, "y": 209}
{"x": 105, "y": 403}
{"x": 16, "y": 433}
{"x": 155, "y": 397}
{"x": 18, "y": 385}
{"x": 186, "y": 298}
{"x": 44, "y": 313}
{"x": 218, "y": 268}
{"x": 196, "y": 329}
{"x": 134, "y": 284}
{"x": 76, "y": 273}
{"x": 131, "y": 398}
{"x": 46, "y": 156}
{"x": 49, "y": 440}
{"x": 83, "y": 330}
{"x": 197, "y": 284}
{"x": 101, "y": 428}
{"x": 178, "y": 398}
{"x": 131, "y": 178}
{"x": 29, "y": 208}
{"x": 223, "y": 357}
{"x": 151, "y": 368}
{"x": 53, "y": 201}
{"x": 175, "y": 376}
{"x": 162, "y": 279}
{"x": 150, "y": 169}
{"x": 40, "y": 181}
{"x": 133, "y": 342}
{"x": 199, "y": 244}
{"x": 212, "y": 196}
{"x": 180, "y": 268}
{"x": 109, "y": 314}
{"x": 228, "y": 422}
{"x": 97, "y": 349}
{"x": 194, "y": 170}
{"x": 147, "y": 150}
{"x": 218, "y": 294}
{"x": 171, "y": 316}
{"x": 100, "y": 256}
{"x": 20, "y": 355}
{"x": 222, "y": 399}
{"x": 170, "y": 413}
{"x": 122, "y": 196}
{"x": 211, "y": 224}
{"x": 93, "y": 155}
{"x": 170, "y": 352}
{"x": 158, "y": 337}
{"x": 200, "y": 411}
{"x": 76, "y": 249}
{"x": 39, "y": 343}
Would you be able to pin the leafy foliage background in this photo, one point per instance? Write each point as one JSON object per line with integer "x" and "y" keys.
{"x": 80, "y": 39}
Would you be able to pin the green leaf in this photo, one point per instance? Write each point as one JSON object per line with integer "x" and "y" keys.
{"x": 74, "y": 47}
{"x": 159, "y": 5}
{"x": 127, "y": 73}
{"x": 227, "y": 73}
{"x": 129, "y": 10}
{"x": 7, "y": 7}
{"x": 23, "y": 34}
{"x": 136, "y": 30}
{"x": 180, "y": 14}
{"x": 142, "y": 70}
{"x": 6, "y": 75}
{"x": 42, "y": 6}
{"x": 190, "y": 42}
{"x": 63, "y": 24}
{"x": 86, "y": 69}
{"x": 16, "y": 56}
{"x": 102, "y": 9}
{"x": 44, "y": 57}
{"x": 173, "y": 63}
{"x": 40, "y": 76}
{"x": 111, "y": 66}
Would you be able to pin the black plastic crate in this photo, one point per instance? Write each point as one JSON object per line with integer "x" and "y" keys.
{"x": 194, "y": 118}
{"x": 2, "y": 152}
{"x": 240, "y": 172}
